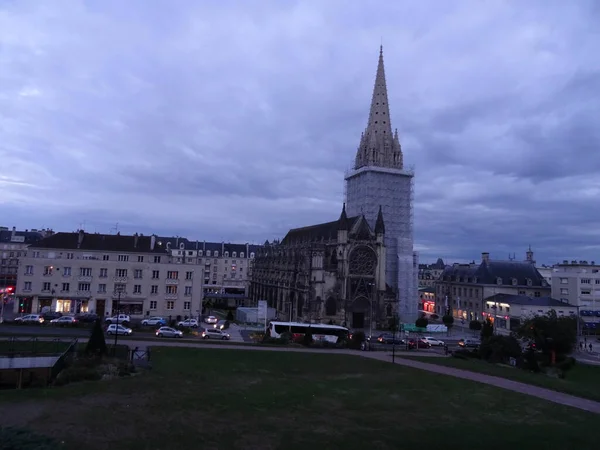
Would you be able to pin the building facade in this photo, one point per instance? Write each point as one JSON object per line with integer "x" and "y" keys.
{"x": 13, "y": 246}
{"x": 578, "y": 283}
{"x": 378, "y": 179}
{"x": 429, "y": 273}
{"x": 462, "y": 288}
{"x": 508, "y": 312}
{"x": 137, "y": 275}
{"x": 330, "y": 272}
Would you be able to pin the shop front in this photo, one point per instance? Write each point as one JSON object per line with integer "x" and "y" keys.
{"x": 72, "y": 305}
{"x": 131, "y": 307}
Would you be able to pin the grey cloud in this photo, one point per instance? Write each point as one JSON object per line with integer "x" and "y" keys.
{"x": 226, "y": 121}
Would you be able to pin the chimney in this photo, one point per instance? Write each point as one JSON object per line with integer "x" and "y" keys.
{"x": 80, "y": 238}
{"x": 485, "y": 257}
{"x": 152, "y": 242}
{"x": 135, "y": 240}
{"x": 14, "y": 232}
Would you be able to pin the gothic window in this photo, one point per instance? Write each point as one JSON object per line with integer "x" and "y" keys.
{"x": 363, "y": 261}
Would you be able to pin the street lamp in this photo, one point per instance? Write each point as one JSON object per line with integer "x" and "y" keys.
{"x": 119, "y": 289}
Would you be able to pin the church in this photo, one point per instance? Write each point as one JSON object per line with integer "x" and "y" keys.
{"x": 360, "y": 269}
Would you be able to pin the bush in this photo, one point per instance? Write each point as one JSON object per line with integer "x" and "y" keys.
{"x": 475, "y": 325}
{"x": 448, "y": 320}
{"x": 22, "y": 439}
{"x": 499, "y": 348}
{"x": 465, "y": 353}
{"x": 357, "y": 340}
{"x": 77, "y": 373}
{"x": 422, "y": 322}
{"x": 96, "y": 344}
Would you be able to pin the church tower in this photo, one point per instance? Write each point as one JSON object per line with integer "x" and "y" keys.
{"x": 379, "y": 181}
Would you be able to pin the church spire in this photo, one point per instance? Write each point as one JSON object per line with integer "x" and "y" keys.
{"x": 378, "y": 145}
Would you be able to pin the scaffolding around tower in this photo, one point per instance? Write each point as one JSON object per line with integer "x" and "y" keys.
{"x": 366, "y": 189}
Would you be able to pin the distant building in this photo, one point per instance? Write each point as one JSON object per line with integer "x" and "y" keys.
{"x": 332, "y": 271}
{"x": 578, "y": 283}
{"x": 138, "y": 275}
{"x": 429, "y": 273}
{"x": 509, "y": 311}
{"x": 462, "y": 288}
{"x": 13, "y": 246}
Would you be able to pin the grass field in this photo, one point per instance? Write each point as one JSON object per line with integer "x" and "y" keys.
{"x": 582, "y": 380}
{"x": 229, "y": 399}
{"x": 30, "y": 346}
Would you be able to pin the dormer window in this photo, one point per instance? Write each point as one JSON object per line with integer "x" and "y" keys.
{"x": 200, "y": 252}
{"x": 216, "y": 254}
{"x": 475, "y": 280}
{"x": 234, "y": 255}
{"x": 498, "y": 280}
{"x": 242, "y": 255}
{"x": 226, "y": 254}
{"x": 529, "y": 282}
{"x": 252, "y": 255}
{"x": 207, "y": 252}
{"x": 514, "y": 282}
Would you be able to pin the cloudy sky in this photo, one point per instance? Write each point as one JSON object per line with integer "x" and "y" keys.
{"x": 235, "y": 120}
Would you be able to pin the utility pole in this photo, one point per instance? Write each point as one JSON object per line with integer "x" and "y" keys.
{"x": 117, "y": 325}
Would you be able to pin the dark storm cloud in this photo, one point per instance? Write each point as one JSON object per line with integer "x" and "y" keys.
{"x": 235, "y": 122}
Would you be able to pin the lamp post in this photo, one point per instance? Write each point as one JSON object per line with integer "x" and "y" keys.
{"x": 117, "y": 316}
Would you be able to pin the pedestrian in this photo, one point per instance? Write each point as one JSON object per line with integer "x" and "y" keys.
{"x": 581, "y": 346}
{"x": 590, "y": 347}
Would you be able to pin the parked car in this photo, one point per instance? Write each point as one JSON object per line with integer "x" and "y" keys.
{"x": 122, "y": 318}
{"x": 188, "y": 323}
{"x": 469, "y": 343}
{"x": 169, "y": 332}
{"x": 64, "y": 321}
{"x": 51, "y": 315}
{"x": 417, "y": 343}
{"x": 222, "y": 325}
{"x": 119, "y": 329}
{"x": 213, "y": 333}
{"x": 390, "y": 339}
{"x": 211, "y": 320}
{"x": 433, "y": 341}
{"x": 86, "y": 317}
{"x": 152, "y": 321}
{"x": 30, "y": 318}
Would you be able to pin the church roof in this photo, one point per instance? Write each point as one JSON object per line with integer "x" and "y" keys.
{"x": 326, "y": 231}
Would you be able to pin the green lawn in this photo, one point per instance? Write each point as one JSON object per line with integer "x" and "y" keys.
{"x": 30, "y": 346}
{"x": 582, "y": 380}
{"x": 235, "y": 399}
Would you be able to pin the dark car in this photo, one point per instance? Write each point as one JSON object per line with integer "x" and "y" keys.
{"x": 417, "y": 343}
{"x": 469, "y": 343}
{"x": 51, "y": 316}
{"x": 222, "y": 325}
{"x": 86, "y": 317}
{"x": 390, "y": 339}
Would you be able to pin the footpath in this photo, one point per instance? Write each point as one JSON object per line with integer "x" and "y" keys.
{"x": 503, "y": 383}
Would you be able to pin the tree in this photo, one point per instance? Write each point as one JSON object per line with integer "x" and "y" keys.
{"x": 229, "y": 315}
{"x": 554, "y": 336}
{"x": 96, "y": 344}
{"x": 487, "y": 330}
{"x": 475, "y": 325}
{"x": 393, "y": 324}
{"x": 422, "y": 322}
{"x": 499, "y": 348}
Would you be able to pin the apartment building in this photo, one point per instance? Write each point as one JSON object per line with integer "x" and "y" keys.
{"x": 463, "y": 289}
{"x": 138, "y": 275}
{"x": 429, "y": 273}
{"x": 13, "y": 246}
{"x": 578, "y": 283}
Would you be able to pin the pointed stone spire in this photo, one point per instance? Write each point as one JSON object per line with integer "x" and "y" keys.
{"x": 343, "y": 220}
{"x": 379, "y": 225}
{"x": 378, "y": 145}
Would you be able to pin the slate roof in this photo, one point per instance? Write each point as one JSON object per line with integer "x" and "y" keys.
{"x": 488, "y": 272}
{"x": 458, "y": 271}
{"x": 101, "y": 242}
{"x": 30, "y": 236}
{"x": 326, "y": 231}
{"x": 525, "y": 300}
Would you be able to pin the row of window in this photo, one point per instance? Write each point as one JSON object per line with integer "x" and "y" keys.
{"x": 102, "y": 288}
{"x": 126, "y": 258}
{"x": 583, "y": 281}
{"x": 170, "y": 305}
{"x": 122, "y": 273}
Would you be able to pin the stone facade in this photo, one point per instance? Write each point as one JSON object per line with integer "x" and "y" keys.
{"x": 330, "y": 272}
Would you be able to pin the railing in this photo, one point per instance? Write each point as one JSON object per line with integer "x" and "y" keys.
{"x": 65, "y": 359}
{"x": 171, "y": 281}
{"x": 171, "y": 296}
{"x": 120, "y": 279}
{"x": 87, "y": 278}
{"x": 14, "y": 346}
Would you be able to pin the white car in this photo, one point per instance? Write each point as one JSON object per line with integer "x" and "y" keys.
{"x": 122, "y": 318}
{"x": 211, "y": 319}
{"x": 213, "y": 333}
{"x": 188, "y": 323}
{"x": 433, "y": 341}
{"x": 169, "y": 332}
{"x": 118, "y": 329}
{"x": 64, "y": 320}
{"x": 31, "y": 318}
{"x": 154, "y": 321}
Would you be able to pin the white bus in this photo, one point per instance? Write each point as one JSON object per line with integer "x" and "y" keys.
{"x": 320, "y": 331}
